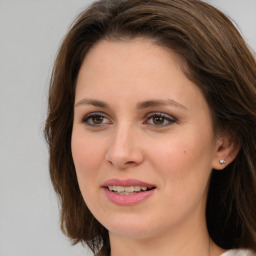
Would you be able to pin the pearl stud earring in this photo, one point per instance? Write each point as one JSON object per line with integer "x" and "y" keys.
{"x": 222, "y": 161}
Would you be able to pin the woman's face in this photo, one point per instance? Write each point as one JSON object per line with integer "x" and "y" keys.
{"x": 140, "y": 124}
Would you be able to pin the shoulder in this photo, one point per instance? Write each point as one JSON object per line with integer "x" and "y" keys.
{"x": 239, "y": 252}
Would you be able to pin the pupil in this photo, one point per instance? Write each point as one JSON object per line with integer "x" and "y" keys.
{"x": 97, "y": 119}
{"x": 158, "y": 120}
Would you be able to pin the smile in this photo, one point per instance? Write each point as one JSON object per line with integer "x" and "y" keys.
{"x": 127, "y": 192}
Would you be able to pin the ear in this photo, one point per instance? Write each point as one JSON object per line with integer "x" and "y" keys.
{"x": 226, "y": 149}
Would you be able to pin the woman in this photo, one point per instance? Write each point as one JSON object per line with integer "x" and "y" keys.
{"x": 151, "y": 130}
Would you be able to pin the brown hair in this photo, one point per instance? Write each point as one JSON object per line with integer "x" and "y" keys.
{"x": 216, "y": 59}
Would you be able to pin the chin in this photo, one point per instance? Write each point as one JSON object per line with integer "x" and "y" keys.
{"x": 131, "y": 232}
{"x": 130, "y": 228}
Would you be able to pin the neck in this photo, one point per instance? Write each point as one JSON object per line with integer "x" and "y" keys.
{"x": 184, "y": 240}
{"x": 152, "y": 247}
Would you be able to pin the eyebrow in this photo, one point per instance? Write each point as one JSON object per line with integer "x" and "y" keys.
{"x": 140, "y": 105}
{"x": 96, "y": 103}
{"x": 156, "y": 103}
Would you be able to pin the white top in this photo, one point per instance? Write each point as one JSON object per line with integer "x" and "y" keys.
{"x": 239, "y": 252}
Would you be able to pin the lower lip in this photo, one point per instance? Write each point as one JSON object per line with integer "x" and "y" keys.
{"x": 127, "y": 200}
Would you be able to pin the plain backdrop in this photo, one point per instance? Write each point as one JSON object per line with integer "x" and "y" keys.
{"x": 30, "y": 34}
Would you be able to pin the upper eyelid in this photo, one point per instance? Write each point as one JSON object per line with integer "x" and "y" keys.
{"x": 151, "y": 114}
{"x": 99, "y": 113}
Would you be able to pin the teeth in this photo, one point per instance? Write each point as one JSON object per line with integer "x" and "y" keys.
{"x": 127, "y": 190}
{"x": 137, "y": 188}
{"x": 111, "y": 188}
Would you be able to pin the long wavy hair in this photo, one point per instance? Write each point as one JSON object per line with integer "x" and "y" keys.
{"x": 214, "y": 56}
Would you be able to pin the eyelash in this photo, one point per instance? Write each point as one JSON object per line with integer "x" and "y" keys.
{"x": 165, "y": 118}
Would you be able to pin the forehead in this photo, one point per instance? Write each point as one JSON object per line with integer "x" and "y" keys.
{"x": 139, "y": 46}
{"x": 136, "y": 68}
{"x": 132, "y": 60}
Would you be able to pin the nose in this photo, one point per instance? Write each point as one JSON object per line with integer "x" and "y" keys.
{"x": 124, "y": 148}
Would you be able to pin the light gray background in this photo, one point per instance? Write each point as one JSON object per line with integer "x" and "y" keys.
{"x": 30, "y": 33}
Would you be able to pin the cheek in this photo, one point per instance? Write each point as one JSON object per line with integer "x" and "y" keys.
{"x": 85, "y": 151}
{"x": 87, "y": 158}
{"x": 184, "y": 161}
{"x": 185, "y": 172}
{"x": 181, "y": 154}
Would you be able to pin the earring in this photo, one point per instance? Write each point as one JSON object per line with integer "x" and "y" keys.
{"x": 222, "y": 161}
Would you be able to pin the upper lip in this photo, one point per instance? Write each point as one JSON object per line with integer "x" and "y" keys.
{"x": 127, "y": 183}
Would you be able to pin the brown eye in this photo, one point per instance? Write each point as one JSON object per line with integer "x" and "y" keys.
{"x": 95, "y": 119}
{"x": 160, "y": 120}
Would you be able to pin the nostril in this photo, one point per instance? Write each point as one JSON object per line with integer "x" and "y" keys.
{"x": 130, "y": 162}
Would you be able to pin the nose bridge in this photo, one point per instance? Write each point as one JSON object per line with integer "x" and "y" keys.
{"x": 124, "y": 149}
{"x": 123, "y": 140}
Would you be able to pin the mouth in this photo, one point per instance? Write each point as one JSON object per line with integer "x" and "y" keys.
{"x": 128, "y": 192}
{"x": 121, "y": 190}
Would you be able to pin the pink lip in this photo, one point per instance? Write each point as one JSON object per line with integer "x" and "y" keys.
{"x": 131, "y": 199}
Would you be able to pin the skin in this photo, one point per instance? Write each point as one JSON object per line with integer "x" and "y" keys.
{"x": 123, "y": 141}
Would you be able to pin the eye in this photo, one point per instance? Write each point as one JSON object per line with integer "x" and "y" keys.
{"x": 160, "y": 119}
{"x": 95, "y": 119}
